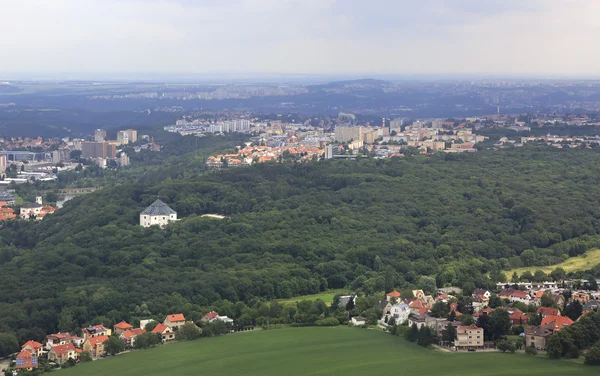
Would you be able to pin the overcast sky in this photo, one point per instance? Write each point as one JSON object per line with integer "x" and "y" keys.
{"x": 557, "y": 37}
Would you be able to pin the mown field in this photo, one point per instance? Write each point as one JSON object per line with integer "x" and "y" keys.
{"x": 574, "y": 264}
{"x": 317, "y": 351}
{"x": 326, "y": 296}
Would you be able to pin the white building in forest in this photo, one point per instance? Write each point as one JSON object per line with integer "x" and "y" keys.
{"x": 157, "y": 214}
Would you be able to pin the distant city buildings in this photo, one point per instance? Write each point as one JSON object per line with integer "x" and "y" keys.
{"x": 98, "y": 150}
{"x": 100, "y": 135}
{"x": 126, "y": 136}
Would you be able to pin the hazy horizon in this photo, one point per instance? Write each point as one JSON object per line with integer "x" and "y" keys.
{"x": 440, "y": 38}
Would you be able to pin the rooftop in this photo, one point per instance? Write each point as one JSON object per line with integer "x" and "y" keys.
{"x": 158, "y": 208}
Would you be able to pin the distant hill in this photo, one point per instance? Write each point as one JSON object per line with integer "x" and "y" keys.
{"x": 353, "y": 83}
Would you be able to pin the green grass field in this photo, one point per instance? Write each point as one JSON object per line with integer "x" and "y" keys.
{"x": 586, "y": 261}
{"x": 317, "y": 351}
{"x": 326, "y": 296}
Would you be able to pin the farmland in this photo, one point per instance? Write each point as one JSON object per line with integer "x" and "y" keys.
{"x": 574, "y": 264}
{"x": 316, "y": 351}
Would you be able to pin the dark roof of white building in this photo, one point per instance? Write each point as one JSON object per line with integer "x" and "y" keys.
{"x": 159, "y": 208}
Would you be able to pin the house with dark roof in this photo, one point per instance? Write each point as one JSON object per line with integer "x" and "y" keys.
{"x": 537, "y": 336}
{"x": 592, "y": 305}
{"x": 157, "y": 214}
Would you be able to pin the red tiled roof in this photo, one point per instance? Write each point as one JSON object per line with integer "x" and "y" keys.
{"x": 159, "y": 328}
{"x": 548, "y": 311}
{"x": 33, "y": 344}
{"x": 176, "y": 317}
{"x": 61, "y": 349}
{"x": 97, "y": 340}
{"x": 394, "y": 294}
{"x": 128, "y": 334}
{"x": 470, "y": 327}
{"x": 558, "y": 322}
{"x": 211, "y": 315}
{"x": 27, "y": 360}
{"x": 123, "y": 325}
{"x": 520, "y": 294}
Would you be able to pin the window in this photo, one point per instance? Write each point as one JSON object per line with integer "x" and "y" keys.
{"x": 478, "y": 337}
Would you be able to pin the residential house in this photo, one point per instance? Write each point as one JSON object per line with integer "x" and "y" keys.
{"x": 121, "y": 327}
{"x": 453, "y": 308}
{"x": 175, "y": 320}
{"x": 442, "y": 325}
{"x": 582, "y": 297}
{"x": 57, "y": 340}
{"x": 592, "y": 305}
{"x": 35, "y": 348}
{"x": 422, "y": 320}
{"x": 166, "y": 333}
{"x": 450, "y": 290}
{"x": 479, "y": 303}
{"x": 483, "y": 312}
{"x": 393, "y": 296}
{"x": 129, "y": 336}
{"x": 95, "y": 331}
{"x": 210, "y": 316}
{"x": 345, "y": 299}
{"x": 558, "y": 299}
{"x": 556, "y": 322}
{"x": 419, "y": 294}
{"x": 520, "y": 296}
{"x": 547, "y": 311}
{"x": 61, "y": 353}
{"x": 537, "y": 336}
{"x": 77, "y": 341}
{"x": 400, "y": 313}
{"x": 145, "y": 322}
{"x": 6, "y": 212}
{"x": 506, "y": 293}
{"x": 384, "y": 306}
{"x": 518, "y": 318}
{"x": 469, "y": 337}
{"x": 95, "y": 346}
{"x": 26, "y": 361}
{"x": 224, "y": 319}
{"x": 417, "y": 307}
{"x": 483, "y": 292}
{"x": 358, "y": 321}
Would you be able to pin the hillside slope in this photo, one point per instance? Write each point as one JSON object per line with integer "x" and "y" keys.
{"x": 368, "y": 225}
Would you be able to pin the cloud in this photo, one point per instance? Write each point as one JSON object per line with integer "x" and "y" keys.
{"x": 300, "y": 36}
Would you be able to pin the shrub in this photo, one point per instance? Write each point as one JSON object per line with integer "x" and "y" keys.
{"x": 330, "y": 321}
{"x": 531, "y": 351}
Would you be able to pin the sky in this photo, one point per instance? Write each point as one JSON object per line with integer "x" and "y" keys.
{"x": 404, "y": 37}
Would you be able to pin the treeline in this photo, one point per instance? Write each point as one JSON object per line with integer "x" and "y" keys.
{"x": 294, "y": 229}
{"x": 582, "y": 335}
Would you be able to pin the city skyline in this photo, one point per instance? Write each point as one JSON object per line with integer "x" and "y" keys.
{"x": 270, "y": 37}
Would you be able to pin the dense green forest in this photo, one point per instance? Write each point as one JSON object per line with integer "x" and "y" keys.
{"x": 292, "y": 229}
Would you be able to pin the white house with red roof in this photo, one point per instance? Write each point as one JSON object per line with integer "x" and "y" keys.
{"x": 174, "y": 320}
{"x": 210, "y": 316}
{"x": 520, "y": 296}
{"x": 129, "y": 336}
{"x": 166, "y": 332}
{"x": 393, "y": 296}
{"x": 121, "y": 327}
{"x": 95, "y": 331}
{"x": 57, "y": 340}
{"x": 35, "y": 348}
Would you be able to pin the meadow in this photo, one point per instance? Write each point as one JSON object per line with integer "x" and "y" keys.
{"x": 317, "y": 351}
{"x": 326, "y": 296}
{"x": 574, "y": 264}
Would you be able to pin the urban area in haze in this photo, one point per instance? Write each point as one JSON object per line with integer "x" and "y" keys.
{"x": 311, "y": 187}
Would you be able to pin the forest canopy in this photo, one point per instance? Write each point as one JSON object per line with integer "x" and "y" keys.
{"x": 293, "y": 229}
